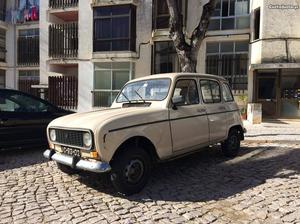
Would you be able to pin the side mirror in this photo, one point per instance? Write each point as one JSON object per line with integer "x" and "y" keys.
{"x": 177, "y": 101}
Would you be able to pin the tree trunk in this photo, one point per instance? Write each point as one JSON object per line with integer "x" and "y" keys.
{"x": 188, "y": 53}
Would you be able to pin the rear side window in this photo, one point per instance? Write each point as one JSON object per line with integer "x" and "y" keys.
{"x": 227, "y": 94}
{"x": 211, "y": 91}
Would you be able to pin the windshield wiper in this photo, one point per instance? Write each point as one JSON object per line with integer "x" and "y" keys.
{"x": 123, "y": 94}
{"x": 144, "y": 101}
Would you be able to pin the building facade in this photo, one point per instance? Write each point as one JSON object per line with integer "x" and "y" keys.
{"x": 105, "y": 43}
{"x": 19, "y": 44}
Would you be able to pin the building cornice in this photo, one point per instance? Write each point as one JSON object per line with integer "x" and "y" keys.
{"x": 113, "y": 2}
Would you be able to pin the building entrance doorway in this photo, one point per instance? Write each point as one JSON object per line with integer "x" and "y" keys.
{"x": 267, "y": 94}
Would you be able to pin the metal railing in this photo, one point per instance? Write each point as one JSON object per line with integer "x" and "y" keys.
{"x": 63, "y": 40}
{"x": 57, "y": 4}
{"x": 28, "y": 51}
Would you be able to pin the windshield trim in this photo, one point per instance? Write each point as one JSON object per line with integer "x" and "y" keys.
{"x": 132, "y": 101}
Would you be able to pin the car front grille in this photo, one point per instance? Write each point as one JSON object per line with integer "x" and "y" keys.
{"x": 69, "y": 137}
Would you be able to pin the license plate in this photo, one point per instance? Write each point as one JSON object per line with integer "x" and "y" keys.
{"x": 71, "y": 151}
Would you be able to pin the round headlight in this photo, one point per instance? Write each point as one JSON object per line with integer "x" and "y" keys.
{"x": 87, "y": 139}
{"x": 52, "y": 135}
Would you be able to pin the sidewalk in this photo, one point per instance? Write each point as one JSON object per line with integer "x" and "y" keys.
{"x": 283, "y": 131}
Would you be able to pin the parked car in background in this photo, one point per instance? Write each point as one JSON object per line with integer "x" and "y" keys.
{"x": 24, "y": 119}
{"x": 155, "y": 118}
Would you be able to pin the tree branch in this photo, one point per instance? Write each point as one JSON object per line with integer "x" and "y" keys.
{"x": 199, "y": 32}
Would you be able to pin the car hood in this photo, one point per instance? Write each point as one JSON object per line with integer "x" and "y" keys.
{"x": 93, "y": 120}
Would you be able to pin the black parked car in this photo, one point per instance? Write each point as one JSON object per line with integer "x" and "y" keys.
{"x": 24, "y": 119}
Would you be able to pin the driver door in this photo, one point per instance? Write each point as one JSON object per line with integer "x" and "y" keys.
{"x": 189, "y": 124}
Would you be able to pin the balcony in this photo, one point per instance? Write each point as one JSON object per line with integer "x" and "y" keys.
{"x": 63, "y": 41}
{"x": 62, "y": 4}
{"x": 28, "y": 51}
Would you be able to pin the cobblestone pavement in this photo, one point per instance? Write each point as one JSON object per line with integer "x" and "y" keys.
{"x": 262, "y": 185}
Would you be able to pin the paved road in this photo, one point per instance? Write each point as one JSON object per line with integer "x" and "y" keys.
{"x": 260, "y": 186}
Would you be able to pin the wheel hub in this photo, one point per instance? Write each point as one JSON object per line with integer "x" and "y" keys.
{"x": 134, "y": 171}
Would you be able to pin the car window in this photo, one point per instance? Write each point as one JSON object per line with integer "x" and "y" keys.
{"x": 227, "y": 95}
{"x": 188, "y": 90}
{"x": 16, "y": 102}
{"x": 7, "y": 105}
{"x": 210, "y": 91}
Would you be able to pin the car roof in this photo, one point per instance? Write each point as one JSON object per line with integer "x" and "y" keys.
{"x": 177, "y": 75}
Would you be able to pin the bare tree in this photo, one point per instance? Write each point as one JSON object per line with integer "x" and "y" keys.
{"x": 188, "y": 52}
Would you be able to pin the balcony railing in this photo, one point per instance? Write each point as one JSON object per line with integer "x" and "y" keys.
{"x": 63, "y": 40}
{"x": 28, "y": 51}
{"x": 58, "y": 4}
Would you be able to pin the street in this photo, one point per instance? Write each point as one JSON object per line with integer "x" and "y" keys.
{"x": 259, "y": 186}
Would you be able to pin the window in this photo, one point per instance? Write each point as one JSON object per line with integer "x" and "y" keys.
{"x": 109, "y": 78}
{"x": 257, "y": 24}
{"x": 148, "y": 90}
{"x": 161, "y": 15}
{"x": 2, "y": 45}
{"x": 226, "y": 92}
{"x": 165, "y": 58}
{"x": 29, "y": 47}
{"x": 230, "y": 60}
{"x": 230, "y": 14}
{"x": 33, "y": 75}
{"x": 22, "y": 103}
{"x": 188, "y": 90}
{"x": 210, "y": 91}
{"x": 115, "y": 28}
{"x": 2, "y": 78}
{"x": 28, "y": 11}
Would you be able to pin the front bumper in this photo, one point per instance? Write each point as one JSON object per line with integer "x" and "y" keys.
{"x": 93, "y": 166}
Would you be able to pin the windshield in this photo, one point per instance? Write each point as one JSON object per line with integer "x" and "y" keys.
{"x": 146, "y": 90}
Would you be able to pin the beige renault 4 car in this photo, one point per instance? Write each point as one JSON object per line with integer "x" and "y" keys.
{"x": 155, "y": 118}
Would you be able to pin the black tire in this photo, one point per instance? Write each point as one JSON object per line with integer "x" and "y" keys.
{"x": 131, "y": 169}
{"x": 232, "y": 145}
{"x": 65, "y": 169}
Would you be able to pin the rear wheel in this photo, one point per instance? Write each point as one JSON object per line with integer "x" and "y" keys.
{"x": 66, "y": 169}
{"x": 232, "y": 144}
{"x": 130, "y": 170}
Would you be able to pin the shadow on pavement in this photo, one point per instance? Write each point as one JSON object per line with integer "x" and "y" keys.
{"x": 16, "y": 158}
{"x": 207, "y": 175}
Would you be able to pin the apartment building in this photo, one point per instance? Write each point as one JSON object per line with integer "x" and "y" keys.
{"x": 19, "y": 44}
{"x": 105, "y": 43}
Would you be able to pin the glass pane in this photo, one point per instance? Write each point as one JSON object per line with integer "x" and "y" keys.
{"x": 121, "y": 65}
{"x": 120, "y": 78}
{"x": 188, "y": 90}
{"x": 120, "y": 10}
{"x": 102, "y": 28}
{"x": 27, "y": 104}
{"x": 120, "y": 27}
{"x": 216, "y": 93}
{"x": 243, "y": 22}
{"x": 228, "y": 24}
{"x": 241, "y": 64}
{"x": 103, "y": 65}
{"x": 7, "y": 105}
{"x": 206, "y": 92}
{"x": 227, "y": 65}
{"x": 102, "y": 11}
{"x": 166, "y": 59}
{"x": 226, "y": 47}
{"x": 162, "y": 22}
{"x": 104, "y": 99}
{"x": 266, "y": 88}
{"x": 225, "y": 8}
{"x": 120, "y": 45}
{"x": 212, "y": 64}
{"x": 102, "y": 46}
{"x": 214, "y": 24}
{"x": 151, "y": 90}
{"x": 232, "y": 8}
{"x": 162, "y": 7}
{"x": 212, "y": 48}
{"x": 227, "y": 95}
{"x": 242, "y": 7}
{"x": 102, "y": 80}
{"x": 241, "y": 46}
{"x": 217, "y": 11}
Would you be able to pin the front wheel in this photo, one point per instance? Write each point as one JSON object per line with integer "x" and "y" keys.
{"x": 231, "y": 146}
{"x": 130, "y": 170}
